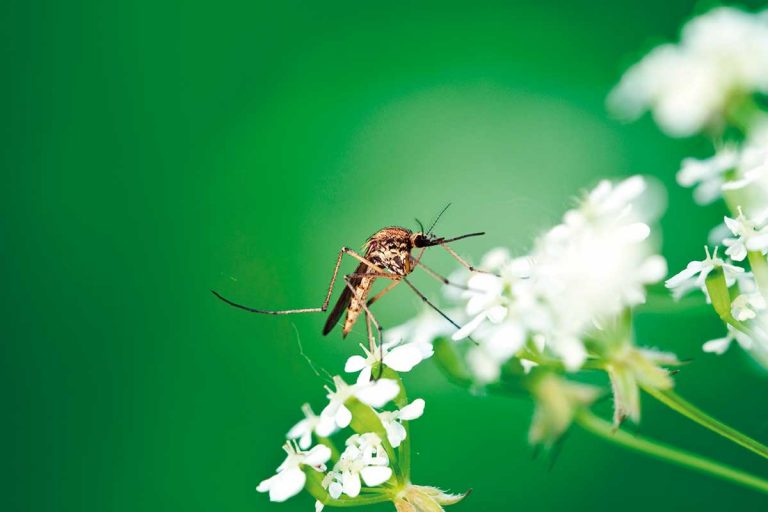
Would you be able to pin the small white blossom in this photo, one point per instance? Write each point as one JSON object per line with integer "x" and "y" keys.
{"x": 364, "y": 458}
{"x": 707, "y": 175}
{"x": 695, "y": 274}
{"x": 289, "y": 479}
{"x": 749, "y": 236}
{"x": 311, "y": 423}
{"x": 747, "y": 305}
{"x": 399, "y": 357}
{"x": 720, "y": 345}
{"x": 393, "y": 421}
{"x": 373, "y": 393}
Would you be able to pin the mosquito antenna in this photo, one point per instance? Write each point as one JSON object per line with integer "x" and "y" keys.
{"x": 437, "y": 219}
{"x": 421, "y": 226}
{"x": 481, "y": 233}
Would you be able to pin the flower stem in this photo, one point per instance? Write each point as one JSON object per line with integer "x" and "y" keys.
{"x": 604, "y": 429}
{"x": 690, "y": 411}
{"x": 759, "y": 266}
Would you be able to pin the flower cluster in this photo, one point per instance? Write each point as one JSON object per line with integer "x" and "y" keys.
{"x": 702, "y": 82}
{"x": 374, "y": 465}
{"x": 564, "y": 306}
{"x": 708, "y": 83}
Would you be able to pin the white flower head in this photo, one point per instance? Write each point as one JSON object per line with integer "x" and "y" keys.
{"x": 695, "y": 274}
{"x": 302, "y": 431}
{"x": 722, "y": 56}
{"x": 748, "y": 236}
{"x": 586, "y": 270}
{"x": 364, "y": 458}
{"x": 289, "y": 479}
{"x": 373, "y": 393}
{"x": 400, "y": 357}
{"x": 747, "y": 306}
{"x": 707, "y": 175}
{"x": 393, "y": 421}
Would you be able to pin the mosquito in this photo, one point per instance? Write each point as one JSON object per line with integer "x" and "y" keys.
{"x": 387, "y": 255}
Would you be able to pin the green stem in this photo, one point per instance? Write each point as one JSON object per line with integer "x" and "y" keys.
{"x": 690, "y": 411}
{"x": 604, "y": 429}
{"x": 759, "y": 266}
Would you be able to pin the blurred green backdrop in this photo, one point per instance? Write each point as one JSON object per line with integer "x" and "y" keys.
{"x": 153, "y": 151}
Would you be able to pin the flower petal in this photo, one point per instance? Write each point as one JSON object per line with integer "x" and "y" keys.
{"x": 299, "y": 429}
{"x": 468, "y": 328}
{"x": 691, "y": 270}
{"x": 317, "y": 456}
{"x": 355, "y": 364}
{"x": 375, "y": 475}
{"x": 326, "y": 426}
{"x": 286, "y": 484}
{"x": 378, "y": 393}
{"x": 403, "y": 358}
{"x": 343, "y": 417}
{"x": 718, "y": 346}
{"x": 350, "y": 482}
{"x": 413, "y": 410}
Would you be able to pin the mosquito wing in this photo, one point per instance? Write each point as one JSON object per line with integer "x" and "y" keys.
{"x": 344, "y": 300}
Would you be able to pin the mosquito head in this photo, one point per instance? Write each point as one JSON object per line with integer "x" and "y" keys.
{"x": 429, "y": 240}
{"x": 424, "y": 240}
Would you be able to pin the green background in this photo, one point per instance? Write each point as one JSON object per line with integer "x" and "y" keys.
{"x": 152, "y": 151}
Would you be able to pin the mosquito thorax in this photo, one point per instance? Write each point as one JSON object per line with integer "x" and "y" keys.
{"x": 391, "y": 248}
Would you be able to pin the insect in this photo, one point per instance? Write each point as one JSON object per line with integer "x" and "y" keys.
{"x": 387, "y": 255}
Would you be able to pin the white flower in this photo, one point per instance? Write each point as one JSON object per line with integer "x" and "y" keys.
{"x": 311, "y": 423}
{"x": 707, "y": 175}
{"x": 364, "y": 457}
{"x": 747, "y": 305}
{"x": 722, "y": 56}
{"x": 289, "y": 479}
{"x": 373, "y": 393}
{"x": 392, "y": 421}
{"x": 720, "y": 345}
{"x": 586, "y": 270}
{"x": 492, "y": 298}
{"x": 399, "y": 357}
{"x": 749, "y": 237}
{"x": 695, "y": 274}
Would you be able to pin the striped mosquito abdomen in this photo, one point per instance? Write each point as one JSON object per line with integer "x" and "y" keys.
{"x": 356, "y": 303}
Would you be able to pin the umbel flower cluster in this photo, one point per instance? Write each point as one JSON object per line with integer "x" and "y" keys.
{"x": 532, "y": 319}
{"x": 372, "y": 465}
{"x": 714, "y": 82}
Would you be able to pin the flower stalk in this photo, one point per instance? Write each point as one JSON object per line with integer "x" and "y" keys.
{"x": 667, "y": 453}
{"x": 690, "y": 411}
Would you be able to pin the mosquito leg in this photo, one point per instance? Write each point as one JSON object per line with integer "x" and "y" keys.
{"x": 361, "y": 259}
{"x": 371, "y": 342}
{"x": 321, "y": 309}
{"x": 427, "y": 301}
{"x": 375, "y": 275}
{"x": 440, "y": 278}
{"x": 267, "y": 312}
{"x": 383, "y": 292}
{"x": 463, "y": 262}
